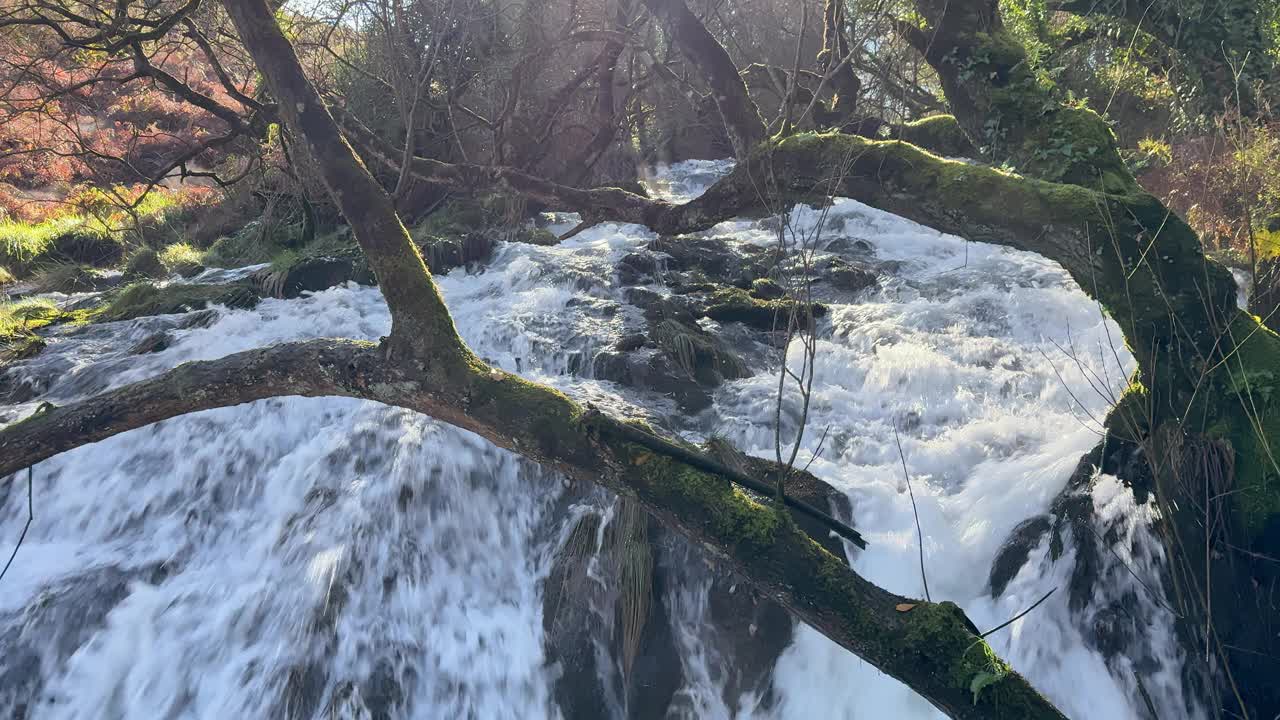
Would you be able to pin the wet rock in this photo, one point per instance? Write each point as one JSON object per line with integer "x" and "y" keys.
{"x": 715, "y": 259}
{"x": 383, "y": 691}
{"x": 58, "y": 622}
{"x": 20, "y": 678}
{"x": 1013, "y": 554}
{"x": 754, "y": 630}
{"x": 201, "y": 319}
{"x": 656, "y": 672}
{"x": 697, "y": 353}
{"x": 630, "y": 343}
{"x": 443, "y": 254}
{"x": 637, "y": 268}
{"x": 346, "y": 703}
{"x": 650, "y": 369}
{"x": 154, "y": 342}
{"x": 313, "y": 274}
{"x": 849, "y": 277}
{"x": 735, "y": 305}
{"x": 14, "y": 390}
{"x": 303, "y": 687}
{"x": 850, "y": 246}
{"x": 1113, "y": 628}
{"x": 571, "y": 625}
{"x": 676, "y": 357}
{"x": 766, "y": 289}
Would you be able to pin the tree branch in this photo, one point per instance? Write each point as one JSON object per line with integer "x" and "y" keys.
{"x": 309, "y": 369}
{"x": 930, "y": 647}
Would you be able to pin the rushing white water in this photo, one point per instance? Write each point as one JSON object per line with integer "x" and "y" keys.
{"x": 339, "y": 559}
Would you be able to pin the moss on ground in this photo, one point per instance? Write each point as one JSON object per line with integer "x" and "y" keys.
{"x": 19, "y": 321}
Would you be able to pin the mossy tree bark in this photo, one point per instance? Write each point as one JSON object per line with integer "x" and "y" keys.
{"x": 1203, "y": 406}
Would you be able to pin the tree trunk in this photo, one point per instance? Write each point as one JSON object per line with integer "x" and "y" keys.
{"x": 699, "y": 46}
{"x": 1202, "y": 406}
{"x": 418, "y": 315}
{"x": 835, "y": 57}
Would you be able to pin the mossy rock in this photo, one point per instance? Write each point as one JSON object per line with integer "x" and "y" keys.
{"x": 144, "y": 263}
{"x": 736, "y": 305}
{"x": 535, "y": 236}
{"x": 714, "y": 259}
{"x": 766, "y": 289}
{"x": 314, "y": 273}
{"x": 146, "y": 299}
{"x": 849, "y": 277}
{"x": 697, "y": 353}
{"x": 443, "y": 254}
{"x": 21, "y": 347}
{"x": 653, "y": 370}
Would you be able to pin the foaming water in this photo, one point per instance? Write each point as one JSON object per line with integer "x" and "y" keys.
{"x": 332, "y": 558}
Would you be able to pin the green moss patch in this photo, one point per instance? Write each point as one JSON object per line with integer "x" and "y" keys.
{"x": 737, "y": 305}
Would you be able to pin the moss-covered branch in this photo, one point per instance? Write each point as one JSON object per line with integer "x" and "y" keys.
{"x": 931, "y": 648}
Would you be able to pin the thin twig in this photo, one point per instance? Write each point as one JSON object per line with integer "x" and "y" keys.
{"x": 919, "y": 533}
{"x": 30, "y": 515}
{"x": 1019, "y": 616}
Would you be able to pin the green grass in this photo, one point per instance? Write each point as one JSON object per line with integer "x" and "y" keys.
{"x": 5, "y": 276}
{"x": 21, "y": 244}
{"x": 66, "y": 277}
{"x": 182, "y": 258}
{"x": 97, "y": 237}
{"x": 22, "y": 317}
{"x": 144, "y": 263}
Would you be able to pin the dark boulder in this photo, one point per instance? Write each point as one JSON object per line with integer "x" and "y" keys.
{"x": 155, "y": 342}
{"x": 443, "y": 254}
{"x": 848, "y": 276}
